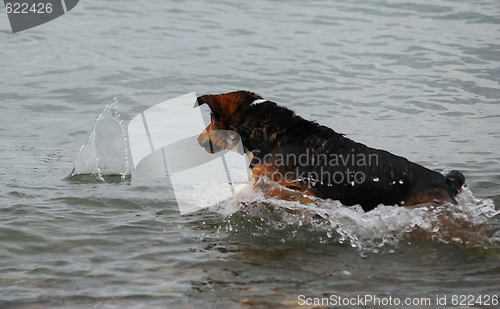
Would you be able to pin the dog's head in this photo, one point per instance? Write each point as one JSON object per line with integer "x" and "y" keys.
{"x": 225, "y": 111}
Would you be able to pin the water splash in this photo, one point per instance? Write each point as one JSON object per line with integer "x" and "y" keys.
{"x": 105, "y": 155}
{"x": 466, "y": 224}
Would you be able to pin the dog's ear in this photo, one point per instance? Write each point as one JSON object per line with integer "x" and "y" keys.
{"x": 226, "y": 104}
{"x": 199, "y": 102}
{"x": 221, "y": 104}
{"x": 211, "y": 100}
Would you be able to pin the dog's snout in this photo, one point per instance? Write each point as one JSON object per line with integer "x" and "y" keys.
{"x": 205, "y": 142}
{"x": 203, "y": 138}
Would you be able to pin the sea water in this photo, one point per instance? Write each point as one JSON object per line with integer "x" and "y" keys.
{"x": 419, "y": 79}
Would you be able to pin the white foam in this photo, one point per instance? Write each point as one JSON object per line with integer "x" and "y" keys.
{"x": 463, "y": 224}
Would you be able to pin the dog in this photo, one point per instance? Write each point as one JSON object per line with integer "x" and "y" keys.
{"x": 315, "y": 161}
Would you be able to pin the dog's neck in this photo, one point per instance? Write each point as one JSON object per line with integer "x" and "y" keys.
{"x": 247, "y": 131}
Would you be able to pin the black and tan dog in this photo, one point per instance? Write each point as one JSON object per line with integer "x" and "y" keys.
{"x": 317, "y": 161}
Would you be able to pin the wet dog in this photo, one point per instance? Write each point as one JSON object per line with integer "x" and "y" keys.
{"x": 315, "y": 161}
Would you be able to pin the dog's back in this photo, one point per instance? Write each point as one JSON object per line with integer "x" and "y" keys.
{"x": 333, "y": 166}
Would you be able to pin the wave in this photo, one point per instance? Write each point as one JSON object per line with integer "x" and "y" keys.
{"x": 469, "y": 224}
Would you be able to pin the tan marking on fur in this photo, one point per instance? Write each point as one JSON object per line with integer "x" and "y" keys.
{"x": 435, "y": 196}
{"x": 223, "y": 104}
{"x": 296, "y": 192}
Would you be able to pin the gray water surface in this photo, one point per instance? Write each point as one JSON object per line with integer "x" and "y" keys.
{"x": 417, "y": 78}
